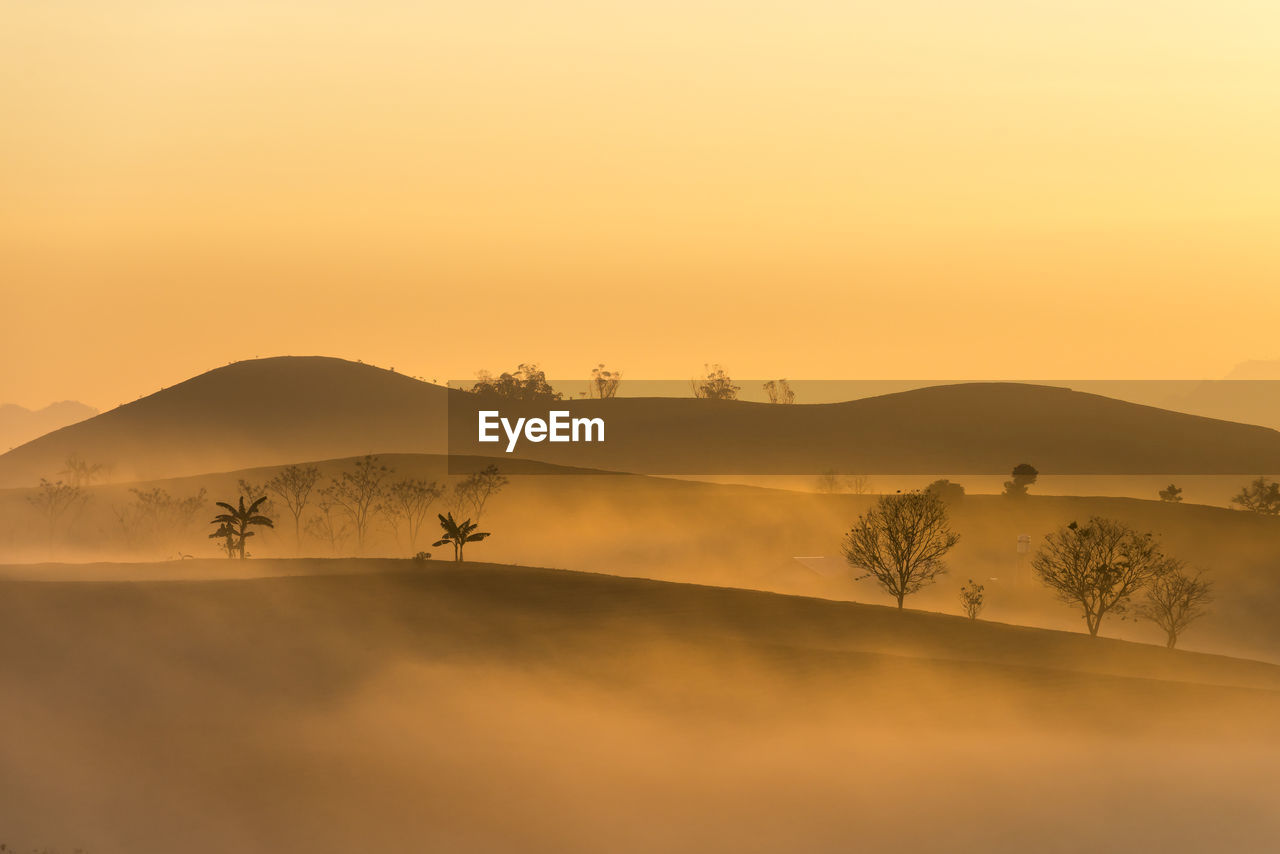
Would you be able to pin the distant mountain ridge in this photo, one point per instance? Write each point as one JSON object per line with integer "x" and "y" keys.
{"x": 19, "y": 424}
{"x": 294, "y": 409}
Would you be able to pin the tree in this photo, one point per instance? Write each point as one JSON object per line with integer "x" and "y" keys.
{"x": 53, "y": 500}
{"x": 458, "y": 534}
{"x": 1098, "y": 567}
{"x": 526, "y": 382}
{"x": 330, "y": 525}
{"x": 716, "y": 385}
{"x": 971, "y": 599}
{"x": 1024, "y": 474}
{"x": 604, "y": 383}
{"x": 901, "y": 542}
{"x": 831, "y": 481}
{"x": 1260, "y": 497}
{"x": 235, "y": 523}
{"x": 251, "y": 491}
{"x": 779, "y": 391}
{"x": 409, "y": 501}
{"x": 227, "y": 534}
{"x": 1171, "y": 494}
{"x": 79, "y": 472}
{"x": 358, "y": 493}
{"x": 475, "y": 491}
{"x": 293, "y": 486}
{"x": 1175, "y": 600}
{"x": 155, "y": 517}
{"x": 946, "y": 490}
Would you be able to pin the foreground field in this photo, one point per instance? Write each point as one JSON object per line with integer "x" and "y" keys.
{"x": 379, "y": 706}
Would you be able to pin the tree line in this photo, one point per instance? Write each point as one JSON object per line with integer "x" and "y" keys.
{"x": 341, "y": 513}
{"x": 1102, "y": 568}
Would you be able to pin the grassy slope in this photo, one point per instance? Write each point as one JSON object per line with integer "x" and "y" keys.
{"x": 748, "y": 537}
{"x": 499, "y": 708}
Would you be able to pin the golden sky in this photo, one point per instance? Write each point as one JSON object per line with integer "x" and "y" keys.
{"x": 800, "y": 188}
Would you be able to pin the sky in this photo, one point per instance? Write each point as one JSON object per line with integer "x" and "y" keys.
{"x": 990, "y": 189}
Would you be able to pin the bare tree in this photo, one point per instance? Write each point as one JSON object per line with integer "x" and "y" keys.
{"x": 52, "y": 500}
{"x": 901, "y": 542}
{"x": 358, "y": 493}
{"x": 293, "y": 486}
{"x": 779, "y": 391}
{"x": 330, "y": 525}
{"x": 156, "y": 518}
{"x": 409, "y": 501}
{"x": 971, "y": 599}
{"x": 471, "y": 494}
{"x": 79, "y": 472}
{"x": 832, "y": 481}
{"x": 1260, "y": 497}
{"x": 1175, "y": 600}
{"x": 858, "y": 484}
{"x": 1098, "y": 567}
{"x": 716, "y": 385}
{"x": 604, "y": 383}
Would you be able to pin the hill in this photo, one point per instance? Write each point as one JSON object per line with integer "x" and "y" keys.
{"x": 19, "y": 425}
{"x": 403, "y": 711}
{"x": 288, "y": 409}
{"x": 260, "y": 412}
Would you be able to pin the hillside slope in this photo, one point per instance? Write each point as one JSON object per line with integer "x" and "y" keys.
{"x": 287, "y": 409}
{"x": 402, "y": 712}
{"x": 260, "y": 412}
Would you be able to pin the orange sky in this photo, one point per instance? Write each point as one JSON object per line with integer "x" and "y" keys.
{"x": 809, "y": 189}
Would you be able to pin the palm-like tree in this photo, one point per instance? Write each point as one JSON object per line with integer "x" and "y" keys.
{"x": 234, "y": 524}
{"x": 458, "y": 534}
{"x": 227, "y": 534}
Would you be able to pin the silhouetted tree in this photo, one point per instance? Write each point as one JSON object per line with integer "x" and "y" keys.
{"x": 359, "y": 493}
{"x": 1171, "y": 493}
{"x": 237, "y": 520}
{"x": 251, "y": 491}
{"x": 946, "y": 490}
{"x": 830, "y": 481}
{"x": 1098, "y": 567}
{"x": 80, "y": 473}
{"x": 458, "y": 534}
{"x": 52, "y": 500}
{"x": 293, "y": 486}
{"x": 330, "y": 524}
{"x": 716, "y": 385}
{"x": 472, "y": 493}
{"x": 971, "y": 599}
{"x": 156, "y": 517}
{"x": 1024, "y": 474}
{"x": 901, "y": 542}
{"x": 409, "y": 501}
{"x": 604, "y": 383}
{"x": 526, "y": 382}
{"x": 227, "y": 534}
{"x": 779, "y": 391}
{"x": 1175, "y": 599}
{"x": 1260, "y": 497}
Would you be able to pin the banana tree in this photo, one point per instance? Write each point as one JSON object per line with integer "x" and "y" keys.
{"x": 458, "y": 534}
{"x": 235, "y": 523}
{"x": 227, "y": 534}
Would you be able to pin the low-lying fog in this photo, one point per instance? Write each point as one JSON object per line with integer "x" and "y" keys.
{"x": 472, "y": 710}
